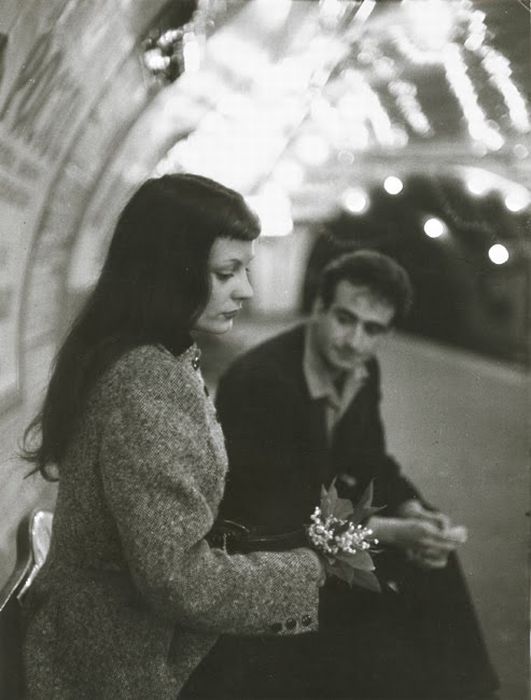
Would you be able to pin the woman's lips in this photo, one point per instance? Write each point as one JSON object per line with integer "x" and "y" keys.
{"x": 230, "y": 314}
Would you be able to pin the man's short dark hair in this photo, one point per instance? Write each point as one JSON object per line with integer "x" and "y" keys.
{"x": 383, "y": 276}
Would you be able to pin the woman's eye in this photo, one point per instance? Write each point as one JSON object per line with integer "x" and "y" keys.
{"x": 223, "y": 276}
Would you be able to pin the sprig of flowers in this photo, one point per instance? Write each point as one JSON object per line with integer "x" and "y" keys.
{"x": 337, "y": 533}
{"x": 333, "y": 535}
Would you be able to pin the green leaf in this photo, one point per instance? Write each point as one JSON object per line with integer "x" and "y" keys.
{"x": 327, "y": 505}
{"x": 363, "y": 508}
{"x": 361, "y": 515}
{"x": 331, "y": 503}
{"x": 367, "y": 580}
{"x": 360, "y": 560}
{"x": 343, "y": 509}
{"x": 371, "y": 510}
{"x": 363, "y": 579}
{"x": 332, "y": 493}
{"x": 341, "y": 570}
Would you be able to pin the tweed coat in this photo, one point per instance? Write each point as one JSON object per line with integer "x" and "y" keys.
{"x": 131, "y": 596}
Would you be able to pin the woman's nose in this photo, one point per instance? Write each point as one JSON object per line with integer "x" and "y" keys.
{"x": 244, "y": 289}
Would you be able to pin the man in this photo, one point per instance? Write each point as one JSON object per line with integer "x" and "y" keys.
{"x": 298, "y": 411}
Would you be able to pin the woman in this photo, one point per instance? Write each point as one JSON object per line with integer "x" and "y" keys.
{"x": 131, "y": 596}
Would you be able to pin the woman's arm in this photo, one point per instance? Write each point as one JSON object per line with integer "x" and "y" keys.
{"x": 152, "y": 465}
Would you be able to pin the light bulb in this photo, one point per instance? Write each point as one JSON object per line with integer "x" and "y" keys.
{"x": 498, "y": 254}
{"x": 393, "y": 184}
{"x": 434, "y": 228}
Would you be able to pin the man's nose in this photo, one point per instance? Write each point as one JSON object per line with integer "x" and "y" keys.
{"x": 357, "y": 337}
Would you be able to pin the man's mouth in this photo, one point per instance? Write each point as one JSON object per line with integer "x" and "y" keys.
{"x": 348, "y": 355}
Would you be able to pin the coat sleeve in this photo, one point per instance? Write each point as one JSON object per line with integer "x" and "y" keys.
{"x": 149, "y": 470}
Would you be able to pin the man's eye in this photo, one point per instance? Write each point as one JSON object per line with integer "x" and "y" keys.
{"x": 374, "y": 329}
{"x": 343, "y": 319}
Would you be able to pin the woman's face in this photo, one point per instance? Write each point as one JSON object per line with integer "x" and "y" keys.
{"x": 229, "y": 284}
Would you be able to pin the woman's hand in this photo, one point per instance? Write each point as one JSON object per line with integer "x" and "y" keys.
{"x": 322, "y": 579}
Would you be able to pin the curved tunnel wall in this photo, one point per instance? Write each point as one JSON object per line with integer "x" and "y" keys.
{"x": 71, "y": 85}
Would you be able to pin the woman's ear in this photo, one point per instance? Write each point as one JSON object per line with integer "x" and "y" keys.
{"x": 318, "y": 306}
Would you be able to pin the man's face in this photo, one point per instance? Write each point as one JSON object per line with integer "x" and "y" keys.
{"x": 349, "y": 330}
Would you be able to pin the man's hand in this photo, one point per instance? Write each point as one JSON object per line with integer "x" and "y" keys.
{"x": 427, "y": 537}
{"x": 415, "y": 509}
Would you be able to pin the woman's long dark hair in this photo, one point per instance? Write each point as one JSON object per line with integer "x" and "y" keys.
{"x": 153, "y": 286}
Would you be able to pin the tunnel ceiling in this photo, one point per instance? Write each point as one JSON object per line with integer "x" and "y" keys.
{"x": 313, "y": 97}
{"x": 304, "y": 97}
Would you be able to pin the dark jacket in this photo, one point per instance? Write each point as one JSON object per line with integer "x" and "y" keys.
{"x": 278, "y": 449}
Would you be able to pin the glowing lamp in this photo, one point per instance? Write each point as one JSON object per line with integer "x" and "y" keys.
{"x": 393, "y": 185}
{"x": 434, "y": 228}
{"x": 355, "y": 200}
{"x": 498, "y": 254}
{"x": 478, "y": 183}
{"x": 517, "y": 200}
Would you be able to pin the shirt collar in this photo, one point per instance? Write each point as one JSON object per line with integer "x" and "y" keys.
{"x": 318, "y": 377}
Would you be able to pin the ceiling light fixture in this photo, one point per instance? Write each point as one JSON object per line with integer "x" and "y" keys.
{"x": 498, "y": 254}
{"x": 393, "y": 185}
{"x": 434, "y": 228}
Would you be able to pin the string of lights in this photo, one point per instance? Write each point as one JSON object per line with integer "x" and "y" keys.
{"x": 169, "y": 52}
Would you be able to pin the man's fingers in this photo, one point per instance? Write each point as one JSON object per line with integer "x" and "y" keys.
{"x": 432, "y": 538}
{"x": 441, "y": 520}
{"x": 428, "y": 560}
{"x": 458, "y": 534}
{"x": 426, "y": 563}
{"x": 441, "y": 545}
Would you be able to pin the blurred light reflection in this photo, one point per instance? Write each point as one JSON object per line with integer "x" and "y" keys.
{"x": 273, "y": 207}
{"x": 517, "y": 200}
{"x": 498, "y": 254}
{"x": 312, "y": 149}
{"x": 355, "y": 200}
{"x": 393, "y": 184}
{"x": 434, "y": 228}
{"x": 289, "y": 173}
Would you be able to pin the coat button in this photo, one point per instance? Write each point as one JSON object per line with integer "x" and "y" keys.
{"x": 306, "y": 620}
{"x": 195, "y": 362}
{"x": 276, "y": 627}
{"x": 291, "y": 624}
